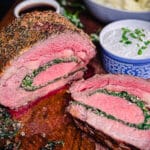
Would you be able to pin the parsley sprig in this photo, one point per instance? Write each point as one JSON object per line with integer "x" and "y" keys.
{"x": 73, "y": 17}
{"x": 94, "y": 37}
{"x": 73, "y": 13}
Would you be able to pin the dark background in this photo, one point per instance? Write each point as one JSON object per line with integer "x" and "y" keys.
{"x": 4, "y": 6}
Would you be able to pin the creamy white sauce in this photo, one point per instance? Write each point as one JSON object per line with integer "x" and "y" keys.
{"x": 111, "y": 42}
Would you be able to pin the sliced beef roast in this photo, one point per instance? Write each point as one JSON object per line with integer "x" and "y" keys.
{"x": 39, "y": 53}
{"x": 114, "y": 109}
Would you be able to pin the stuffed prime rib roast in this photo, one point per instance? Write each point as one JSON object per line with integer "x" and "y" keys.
{"x": 114, "y": 109}
{"x": 40, "y": 52}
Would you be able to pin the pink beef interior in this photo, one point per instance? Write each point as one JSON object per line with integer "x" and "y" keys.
{"x": 53, "y": 72}
{"x": 132, "y": 85}
{"x": 115, "y": 106}
{"x": 83, "y": 93}
{"x": 116, "y": 130}
{"x": 65, "y": 45}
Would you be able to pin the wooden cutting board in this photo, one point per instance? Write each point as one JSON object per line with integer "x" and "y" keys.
{"x": 49, "y": 121}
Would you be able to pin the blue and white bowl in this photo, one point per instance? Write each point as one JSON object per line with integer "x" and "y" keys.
{"x": 121, "y": 65}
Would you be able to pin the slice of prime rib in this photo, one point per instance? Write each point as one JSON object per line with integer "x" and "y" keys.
{"x": 114, "y": 109}
{"x": 39, "y": 53}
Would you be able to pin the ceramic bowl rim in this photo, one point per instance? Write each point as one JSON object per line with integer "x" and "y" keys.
{"x": 120, "y": 10}
{"x": 33, "y": 3}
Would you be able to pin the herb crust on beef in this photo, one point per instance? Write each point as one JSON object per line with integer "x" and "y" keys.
{"x": 24, "y": 32}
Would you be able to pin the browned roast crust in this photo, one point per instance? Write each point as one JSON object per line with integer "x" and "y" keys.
{"x": 22, "y": 33}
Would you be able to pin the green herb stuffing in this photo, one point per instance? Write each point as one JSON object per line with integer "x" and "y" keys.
{"x": 51, "y": 145}
{"x": 8, "y": 127}
{"x": 138, "y": 35}
{"x": 27, "y": 82}
{"x": 145, "y": 125}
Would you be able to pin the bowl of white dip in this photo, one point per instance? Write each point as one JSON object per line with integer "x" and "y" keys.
{"x": 125, "y": 46}
{"x": 112, "y": 10}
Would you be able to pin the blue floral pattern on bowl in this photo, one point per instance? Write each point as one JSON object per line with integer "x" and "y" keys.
{"x": 112, "y": 65}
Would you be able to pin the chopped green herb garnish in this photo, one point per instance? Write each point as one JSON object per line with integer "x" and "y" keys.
{"x": 73, "y": 17}
{"x": 51, "y": 145}
{"x": 8, "y": 127}
{"x": 147, "y": 42}
{"x": 73, "y": 14}
{"x": 143, "y": 47}
{"x": 125, "y": 30}
{"x": 11, "y": 145}
{"x": 140, "y": 52}
{"x": 76, "y": 5}
{"x": 139, "y": 32}
{"x": 133, "y": 35}
{"x": 94, "y": 37}
{"x": 125, "y": 39}
{"x": 128, "y": 42}
{"x": 137, "y": 35}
